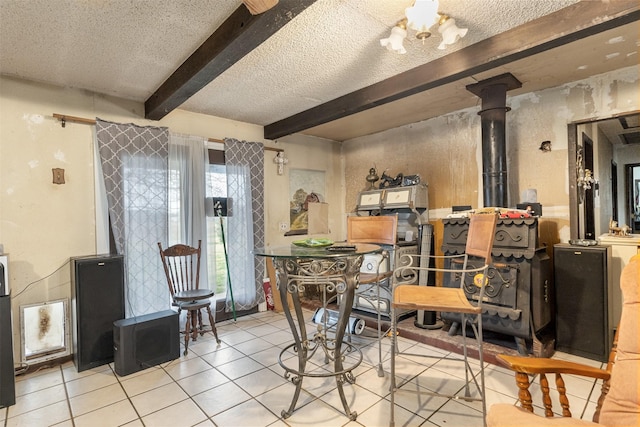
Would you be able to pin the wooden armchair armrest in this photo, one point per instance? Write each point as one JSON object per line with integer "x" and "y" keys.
{"x": 525, "y": 366}
{"x": 540, "y": 365}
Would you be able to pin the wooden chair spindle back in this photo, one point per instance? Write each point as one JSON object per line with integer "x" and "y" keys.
{"x": 180, "y": 269}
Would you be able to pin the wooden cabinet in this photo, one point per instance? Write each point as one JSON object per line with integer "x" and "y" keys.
{"x": 622, "y": 249}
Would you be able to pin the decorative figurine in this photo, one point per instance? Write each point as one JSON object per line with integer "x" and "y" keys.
{"x": 372, "y": 178}
{"x": 280, "y": 160}
{"x": 411, "y": 180}
{"x": 614, "y": 230}
{"x": 387, "y": 181}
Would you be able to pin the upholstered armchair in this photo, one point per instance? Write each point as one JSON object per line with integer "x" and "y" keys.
{"x": 619, "y": 402}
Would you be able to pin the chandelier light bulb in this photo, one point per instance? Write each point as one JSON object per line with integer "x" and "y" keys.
{"x": 395, "y": 40}
{"x": 450, "y": 32}
{"x": 422, "y": 15}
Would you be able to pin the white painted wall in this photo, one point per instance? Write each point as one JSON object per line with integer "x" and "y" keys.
{"x": 43, "y": 224}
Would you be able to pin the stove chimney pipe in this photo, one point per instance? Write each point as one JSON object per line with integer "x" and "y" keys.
{"x": 493, "y": 93}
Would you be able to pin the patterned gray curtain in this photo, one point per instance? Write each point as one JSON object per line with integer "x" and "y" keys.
{"x": 245, "y": 223}
{"x": 134, "y": 165}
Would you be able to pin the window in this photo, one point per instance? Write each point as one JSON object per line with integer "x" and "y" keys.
{"x": 175, "y": 225}
{"x": 180, "y": 216}
{"x": 216, "y": 189}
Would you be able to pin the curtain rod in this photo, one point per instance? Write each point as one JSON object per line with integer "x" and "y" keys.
{"x": 64, "y": 119}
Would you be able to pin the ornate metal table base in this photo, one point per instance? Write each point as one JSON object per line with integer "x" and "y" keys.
{"x": 330, "y": 275}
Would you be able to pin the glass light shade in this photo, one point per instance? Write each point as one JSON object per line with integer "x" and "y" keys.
{"x": 395, "y": 40}
{"x": 257, "y": 7}
{"x": 422, "y": 15}
{"x": 450, "y": 33}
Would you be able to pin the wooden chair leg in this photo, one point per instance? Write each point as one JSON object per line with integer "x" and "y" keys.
{"x": 213, "y": 325}
{"x": 200, "y": 325}
{"x": 187, "y": 332}
{"x": 194, "y": 324}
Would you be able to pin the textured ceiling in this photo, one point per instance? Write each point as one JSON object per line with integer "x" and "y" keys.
{"x": 129, "y": 48}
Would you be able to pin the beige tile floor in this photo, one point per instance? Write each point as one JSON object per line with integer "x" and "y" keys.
{"x": 240, "y": 383}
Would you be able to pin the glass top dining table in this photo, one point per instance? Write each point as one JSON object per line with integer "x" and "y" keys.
{"x": 304, "y": 252}
{"x": 333, "y": 271}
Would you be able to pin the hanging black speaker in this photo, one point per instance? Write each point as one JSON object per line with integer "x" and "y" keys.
{"x": 97, "y": 292}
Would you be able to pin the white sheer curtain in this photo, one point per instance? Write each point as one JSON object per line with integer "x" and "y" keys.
{"x": 187, "y": 222}
{"x": 245, "y": 224}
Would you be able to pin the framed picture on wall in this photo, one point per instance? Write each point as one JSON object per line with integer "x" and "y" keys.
{"x": 305, "y": 186}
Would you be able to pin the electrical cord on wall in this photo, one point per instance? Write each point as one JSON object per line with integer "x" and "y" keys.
{"x": 40, "y": 280}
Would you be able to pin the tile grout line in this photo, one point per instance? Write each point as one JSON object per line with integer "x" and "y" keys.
{"x": 257, "y": 322}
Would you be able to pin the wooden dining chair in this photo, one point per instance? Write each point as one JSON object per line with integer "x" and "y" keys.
{"x": 182, "y": 269}
{"x": 380, "y": 230}
{"x": 474, "y": 264}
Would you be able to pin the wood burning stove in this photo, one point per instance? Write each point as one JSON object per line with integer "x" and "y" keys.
{"x": 518, "y": 298}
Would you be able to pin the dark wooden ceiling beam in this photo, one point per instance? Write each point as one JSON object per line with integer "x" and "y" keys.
{"x": 237, "y": 36}
{"x": 575, "y": 22}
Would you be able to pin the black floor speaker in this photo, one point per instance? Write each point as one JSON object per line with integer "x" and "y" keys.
{"x": 97, "y": 292}
{"x": 144, "y": 341}
{"x": 7, "y": 372}
{"x": 583, "y": 296}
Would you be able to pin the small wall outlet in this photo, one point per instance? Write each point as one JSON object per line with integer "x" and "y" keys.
{"x": 283, "y": 226}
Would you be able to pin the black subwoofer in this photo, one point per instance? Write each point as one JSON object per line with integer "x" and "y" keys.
{"x": 97, "y": 292}
{"x": 144, "y": 341}
{"x": 583, "y": 318}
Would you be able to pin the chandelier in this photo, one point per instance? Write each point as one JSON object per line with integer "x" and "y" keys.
{"x": 421, "y": 17}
